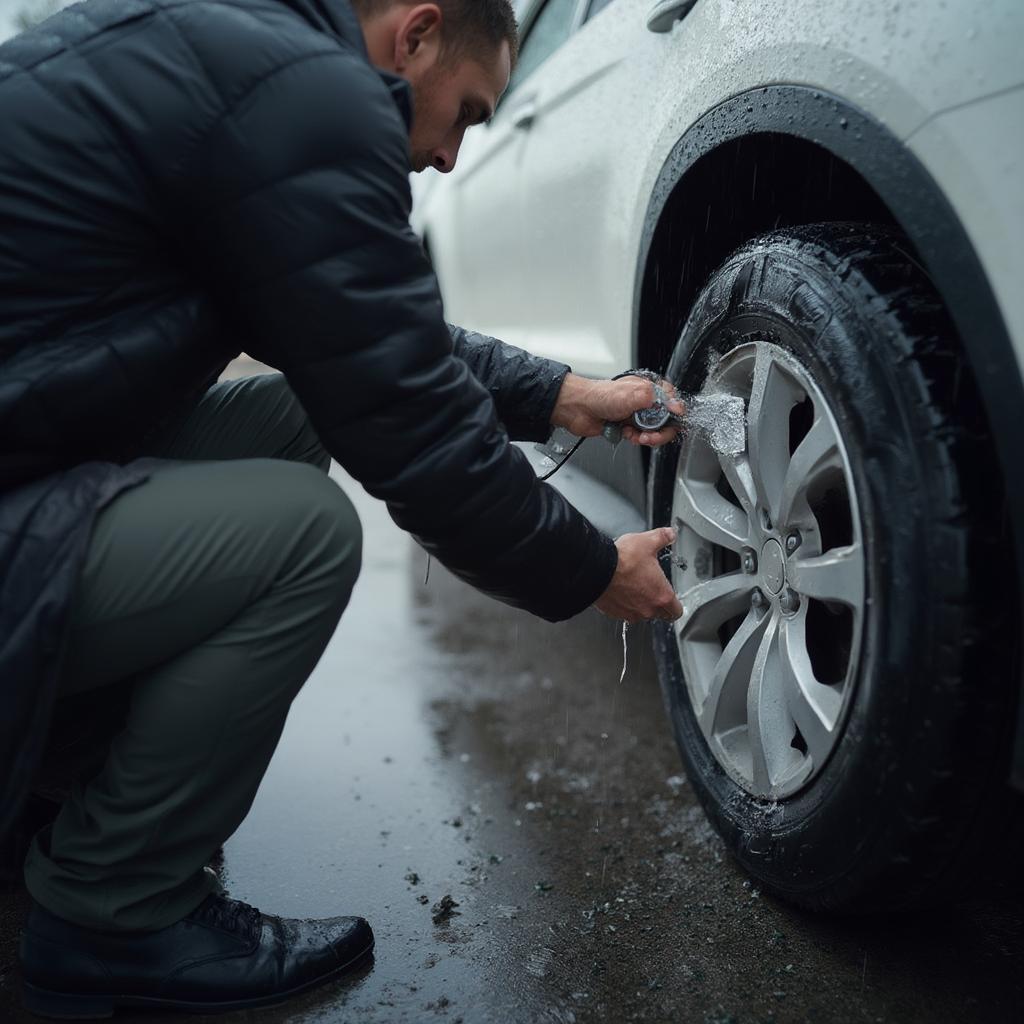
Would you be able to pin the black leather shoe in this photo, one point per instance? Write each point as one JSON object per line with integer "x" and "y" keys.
{"x": 225, "y": 955}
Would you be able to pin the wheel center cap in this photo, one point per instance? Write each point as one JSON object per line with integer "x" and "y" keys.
{"x": 773, "y": 566}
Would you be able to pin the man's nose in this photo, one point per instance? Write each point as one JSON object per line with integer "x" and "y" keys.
{"x": 443, "y": 159}
{"x": 444, "y": 156}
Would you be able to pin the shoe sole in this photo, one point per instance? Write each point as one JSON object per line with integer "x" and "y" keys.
{"x": 71, "y": 1006}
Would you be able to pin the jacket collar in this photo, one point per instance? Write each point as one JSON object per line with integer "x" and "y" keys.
{"x": 336, "y": 18}
{"x": 401, "y": 93}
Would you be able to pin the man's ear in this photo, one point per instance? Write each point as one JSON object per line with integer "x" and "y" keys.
{"x": 418, "y": 36}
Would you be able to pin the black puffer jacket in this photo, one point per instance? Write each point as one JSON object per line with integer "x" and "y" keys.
{"x": 182, "y": 179}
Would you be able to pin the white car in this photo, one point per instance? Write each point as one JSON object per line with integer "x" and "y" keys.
{"x": 817, "y": 207}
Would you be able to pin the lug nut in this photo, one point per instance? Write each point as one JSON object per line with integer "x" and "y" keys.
{"x": 757, "y": 601}
{"x": 749, "y": 562}
{"x": 793, "y": 541}
{"x": 789, "y": 602}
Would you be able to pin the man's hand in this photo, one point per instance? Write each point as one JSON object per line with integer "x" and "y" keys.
{"x": 639, "y": 589}
{"x": 584, "y": 406}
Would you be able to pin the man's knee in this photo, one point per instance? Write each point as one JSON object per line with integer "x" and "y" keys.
{"x": 332, "y": 538}
{"x": 347, "y": 539}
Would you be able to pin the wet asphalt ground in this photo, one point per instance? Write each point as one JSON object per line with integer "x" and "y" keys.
{"x": 447, "y": 746}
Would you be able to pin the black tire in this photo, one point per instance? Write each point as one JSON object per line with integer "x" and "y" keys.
{"x": 916, "y": 785}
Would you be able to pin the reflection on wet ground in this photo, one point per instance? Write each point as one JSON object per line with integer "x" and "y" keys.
{"x": 513, "y": 822}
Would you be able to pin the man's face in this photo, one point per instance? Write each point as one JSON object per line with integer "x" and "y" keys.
{"x": 448, "y": 98}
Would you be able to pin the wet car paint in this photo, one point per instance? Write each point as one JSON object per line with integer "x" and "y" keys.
{"x": 448, "y": 746}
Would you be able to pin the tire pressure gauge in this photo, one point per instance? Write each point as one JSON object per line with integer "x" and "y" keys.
{"x": 655, "y": 416}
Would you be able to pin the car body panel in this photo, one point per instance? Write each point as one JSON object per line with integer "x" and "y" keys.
{"x": 976, "y": 158}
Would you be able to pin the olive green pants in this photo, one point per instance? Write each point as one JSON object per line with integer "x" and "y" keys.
{"x": 207, "y": 597}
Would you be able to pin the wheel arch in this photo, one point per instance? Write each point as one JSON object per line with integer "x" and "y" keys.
{"x": 783, "y": 155}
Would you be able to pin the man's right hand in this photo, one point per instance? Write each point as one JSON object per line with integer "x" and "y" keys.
{"x": 639, "y": 589}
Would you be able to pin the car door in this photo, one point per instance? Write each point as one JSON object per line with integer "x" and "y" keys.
{"x": 481, "y": 260}
{"x": 588, "y": 135}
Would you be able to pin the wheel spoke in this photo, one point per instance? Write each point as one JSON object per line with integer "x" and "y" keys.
{"x": 767, "y": 718}
{"x": 700, "y": 507}
{"x": 771, "y": 399}
{"x": 725, "y": 704}
{"x": 709, "y": 604}
{"x": 837, "y": 575}
{"x": 741, "y": 479}
{"x": 817, "y": 452}
{"x": 813, "y": 706}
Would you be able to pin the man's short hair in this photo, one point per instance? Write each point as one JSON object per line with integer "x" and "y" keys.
{"x": 470, "y": 26}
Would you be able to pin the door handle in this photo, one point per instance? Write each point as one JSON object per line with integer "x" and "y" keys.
{"x": 666, "y": 13}
{"x": 524, "y": 115}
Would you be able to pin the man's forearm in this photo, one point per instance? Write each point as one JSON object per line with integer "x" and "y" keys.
{"x": 525, "y": 388}
{"x": 574, "y": 400}
{"x": 534, "y": 395}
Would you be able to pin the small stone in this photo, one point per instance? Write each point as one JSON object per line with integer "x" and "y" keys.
{"x": 444, "y": 910}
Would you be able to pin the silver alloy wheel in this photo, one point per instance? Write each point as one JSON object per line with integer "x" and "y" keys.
{"x": 769, "y": 567}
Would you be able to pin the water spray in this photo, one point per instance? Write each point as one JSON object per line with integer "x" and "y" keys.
{"x": 719, "y": 416}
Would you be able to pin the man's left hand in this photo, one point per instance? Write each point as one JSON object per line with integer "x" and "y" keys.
{"x": 584, "y": 406}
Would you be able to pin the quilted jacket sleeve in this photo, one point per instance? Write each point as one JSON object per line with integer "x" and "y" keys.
{"x": 296, "y": 204}
{"x": 524, "y": 387}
